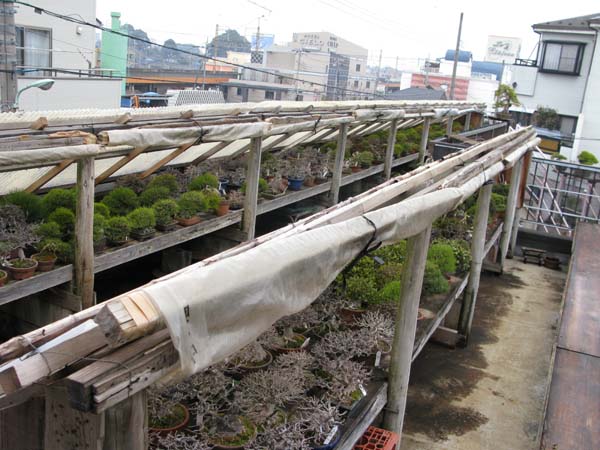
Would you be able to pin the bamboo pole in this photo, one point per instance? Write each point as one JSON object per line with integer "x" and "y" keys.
{"x": 336, "y": 180}
{"x": 477, "y": 254}
{"x": 467, "y": 122}
{"x": 424, "y": 140}
{"x": 511, "y": 208}
{"x": 449, "y": 124}
{"x": 389, "y": 152}
{"x": 404, "y": 334}
{"x": 252, "y": 179}
{"x": 84, "y": 232}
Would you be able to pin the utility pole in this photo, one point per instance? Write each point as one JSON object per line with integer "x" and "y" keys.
{"x": 8, "y": 56}
{"x": 454, "y": 67}
{"x": 204, "y": 69}
{"x": 396, "y": 67}
{"x": 378, "y": 72}
{"x": 216, "y": 48}
{"x": 299, "y": 53}
{"x": 257, "y": 45}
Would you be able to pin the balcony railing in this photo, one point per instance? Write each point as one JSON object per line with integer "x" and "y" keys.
{"x": 59, "y": 71}
{"x": 526, "y": 62}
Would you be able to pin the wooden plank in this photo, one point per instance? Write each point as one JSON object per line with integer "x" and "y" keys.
{"x": 119, "y": 164}
{"x": 22, "y": 426}
{"x": 39, "y": 282}
{"x": 424, "y": 140}
{"x": 580, "y": 327}
{"x": 127, "y": 424}
{"x": 252, "y": 179}
{"x": 389, "y": 151}
{"x": 573, "y": 413}
{"x": 338, "y": 165}
{"x": 170, "y": 157}
{"x": 53, "y": 172}
{"x": 84, "y": 233}
{"x": 217, "y": 148}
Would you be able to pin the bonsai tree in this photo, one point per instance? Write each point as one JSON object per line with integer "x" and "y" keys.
{"x": 102, "y": 209}
{"x": 263, "y": 186}
{"x": 213, "y": 199}
{"x": 65, "y": 218}
{"x": 205, "y": 180}
{"x": 117, "y": 229}
{"x": 132, "y": 182}
{"x": 121, "y": 201}
{"x": 505, "y": 97}
{"x": 558, "y": 156}
{"x": 165, "y": 180}
{"x": 15, "y": 232}
{"x": 165, "y": 211}
{"x": 99, "y": 230}
{"x": 142, "y": 220}
{"x": 443, "y": 256}
{"x": 545, "y": 117}
{"x": 587, "y": 158}
{"x": 434, "y": 281}
{"x": 31, "y": 204}
{"x": 57, "y": 198}
{"x": 191, "y": 203}
{"x": 48, "y": 230}
{"x": 153, "y": 194}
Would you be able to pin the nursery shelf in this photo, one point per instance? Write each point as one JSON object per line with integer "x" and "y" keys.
{"x": 104, "y": 261}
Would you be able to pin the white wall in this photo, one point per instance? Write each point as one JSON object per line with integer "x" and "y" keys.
{"x": 71, "y": 93}
{"x": 463, "y": 69}
{"x": 482, "y": 90}
{"x": 65, "y": 38}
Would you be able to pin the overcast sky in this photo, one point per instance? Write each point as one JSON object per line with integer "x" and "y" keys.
{"x": 403, "y": 29}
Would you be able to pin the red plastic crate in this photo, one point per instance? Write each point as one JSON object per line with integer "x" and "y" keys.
{"x": 377, "y": 439}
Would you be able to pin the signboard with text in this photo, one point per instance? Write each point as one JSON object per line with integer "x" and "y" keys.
{"x": 503, "y": 49}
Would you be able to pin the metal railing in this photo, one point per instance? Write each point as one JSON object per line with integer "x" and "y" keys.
{"x": 525, "y": 62}
{"x": 558, "y": 194}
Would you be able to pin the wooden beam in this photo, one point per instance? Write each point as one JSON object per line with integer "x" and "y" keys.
{"x": 252, "y": 179}
{"x": 477, "y": 254}
{"x": 336, "y": 180}
{"x": 120, "y": 163}
{"x": 515, "y": 232}
{"x": 217, "y": 148}
{"x": 511, "y": 211}
{"x": 84, "y": 232}
{"x": 467, "y": 126}
{"x": 389, "y": 151}
{"x": 126, "y": 424}
{"x": 449, "y": 124}
{"x": 53, "y": 172}
{"x": 405, "y": 330}
{"x": 424, "y": 140}
{"x": 170, "y": 157}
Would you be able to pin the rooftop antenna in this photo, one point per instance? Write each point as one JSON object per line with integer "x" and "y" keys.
{"x": 257, "y": 44}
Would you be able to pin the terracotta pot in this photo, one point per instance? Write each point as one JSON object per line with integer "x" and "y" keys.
{"x": 168, "y": 227}
{"x": 351, "y": 315}
{"x": 177, "y": 427}
{"x": 264, "y": 365}
{"x": 22, "y": 273}
{"x": 309, "y": 181}
{"x": 188, "y": 222}
{"x": 356, "y": 169}
{"x": 45, "y": 262}
{"x": 117, "y": 243}
{"x": 233, "y": 447}
{"x": 278, "y": 349}
{"x": 3, "y": 277}
{"x": 223, "y": 209}
{"x": 143, "y": 236}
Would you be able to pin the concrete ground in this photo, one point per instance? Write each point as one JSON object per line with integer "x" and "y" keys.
{"x": 490, "y": 395}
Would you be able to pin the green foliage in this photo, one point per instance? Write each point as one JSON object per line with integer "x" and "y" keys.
{"x": 166, "y": 180}
{"x": 58, "y": 198}
{"x": 498, "y": 203}
{"x": 501, "y": 189}
{"x": 213, "y": 199}
{"x": 64, "y": 251}
{"x": 204, "y": 180}
{"x": 117, "y": 229}
{"x": 121, "y": 201}
{"x": 102, "y": 209}
{"x": 263, "y": 186}
{"x": 392, "y": 253}
{"x": 165, "y": 211}
{"x": 388, "y": 272}
{"x": 505, "y": 97}
{"x": 31, "y": 204}
{"x": 363, "y": 159}
{"x": 99, "y": 230}
{"x": 443, "y": 256}
{"x": 546, "y": 117}
{"x": 434, "y": 281}
{"x": 361, "y": 289}
{"x": 462, "y": 253}
{"x": 559, "y": 156}
{"x": 141, "y": 219}
{"x": 153, "y": 194}
{"x": 191, "y": 203}
{"x": 48, "y": 230}
{"x": 452, "y": 225}
{"x": 587, "y": 158}
{"x": 65, "y": 218}
{"x": 391, "y": 292}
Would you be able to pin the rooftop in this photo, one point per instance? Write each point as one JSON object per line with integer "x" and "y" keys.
{"x": 581, "y": 23}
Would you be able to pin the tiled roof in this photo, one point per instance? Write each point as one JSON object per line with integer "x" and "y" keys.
{"x": 581, "y": 23}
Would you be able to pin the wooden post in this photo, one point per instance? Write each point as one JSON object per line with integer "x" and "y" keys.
{"x": 252, "y": 178}
{"x": 126, "y": 424}
{"x": 84, "y": 233}
{"x": 336, "y": 180}
{"x": 514, "y": 232}
{"x": 424, "y": 140}
{"x": 511, "y": 208}
{"x": 467, "y": 122}
{"x": 449, "y": 126}
{"x": 406, "y": 326}
{"x": 389, "y": 151}
{"x": 477, "y": 248}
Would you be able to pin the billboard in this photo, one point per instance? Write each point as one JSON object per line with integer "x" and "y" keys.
{"x": 265, "y": 41}
{"x": 503, "y": 49}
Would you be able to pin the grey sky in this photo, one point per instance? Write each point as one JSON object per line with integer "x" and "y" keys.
{"x": 408, "y": 30}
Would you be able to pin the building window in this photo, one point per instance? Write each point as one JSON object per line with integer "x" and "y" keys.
{"x": 269, "y": 95}
{"x": 355, "y": 83}
{"x": 568, "y": 125}
{"x": 358, "y": 67}
{"x": 368, "y": 84}
{"x": 238, "y": 91}
{"x": 34, "y": 47}
{"x": 562, "y": 57}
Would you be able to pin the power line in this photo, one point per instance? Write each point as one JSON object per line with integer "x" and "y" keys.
{"x": 242, "y": 66}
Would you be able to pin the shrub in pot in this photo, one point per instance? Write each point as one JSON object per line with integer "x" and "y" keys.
{"x": 46, "y": 257}
{"x": 203, "y": 181}
{"x": 102, "y": 209}
{"x": 434, "y": 281}
{"x": 15, "y": 232}
{"x": 263, "y": 186}
{"x": 166, "y": 415}
{"x": 165, "y": 180}
{"x": 48, "y": 230}
{"x": 236, "y": 200}
{"x": 64, "y": 251}
{"x": 365, "y": 159}
{"x": 213, "y": 199}
{"x": 3, "y": 277}
{"x": 121, "y": 201}
{"x": 587, "y": 158}
{"x": 153, "y": 194}
{"x": 117, "y": 230}
{"x": 31, "y": 204}
{"x": 99, "y": 232}
{"x": 65, "y": 218}
{"x": 230, "y": 432}
{"x": 142, "y": 222}
{"x": 132, "y": 182}
{"x": 21, "y": 268}
{"x": 165, "y": 212}
{"x": 190, "y": 204}
{"x": 59, "y": 198}
{"x": 443, "y": 256}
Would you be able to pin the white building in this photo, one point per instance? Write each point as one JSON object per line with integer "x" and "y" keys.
{"x": 566, "y": 77}
{"x": 50, "y": 47}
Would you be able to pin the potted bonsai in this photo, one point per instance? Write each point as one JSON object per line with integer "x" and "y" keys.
{"x": 251, "y": 358}
{"x": 165, "y": 212}
{"x": 99, "y": 232}
{"x": 277, "y": 188}
{"x": 223, "y": 208}
{"x": 212, "y": 198}
{"x": 296, "y": 178}
{"x": 15, "y": 235}
{"x": 117, "y": 231}
{"x": 203, "y": 181}
{"x": 166, "y": 415}
{"x": 236, "y": 200}
{"x": 142, "y": 222}
{"x": 286, "y": 342}
{"x": 21, "y": 268}
{"x": 46, "y": 258}
{"x": 3, "y": 277}
{"x": 190, "y": 204}
{"x": 229, "y": 431}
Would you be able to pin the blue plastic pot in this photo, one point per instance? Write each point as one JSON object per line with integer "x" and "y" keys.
{"x": 295, "y": 184}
